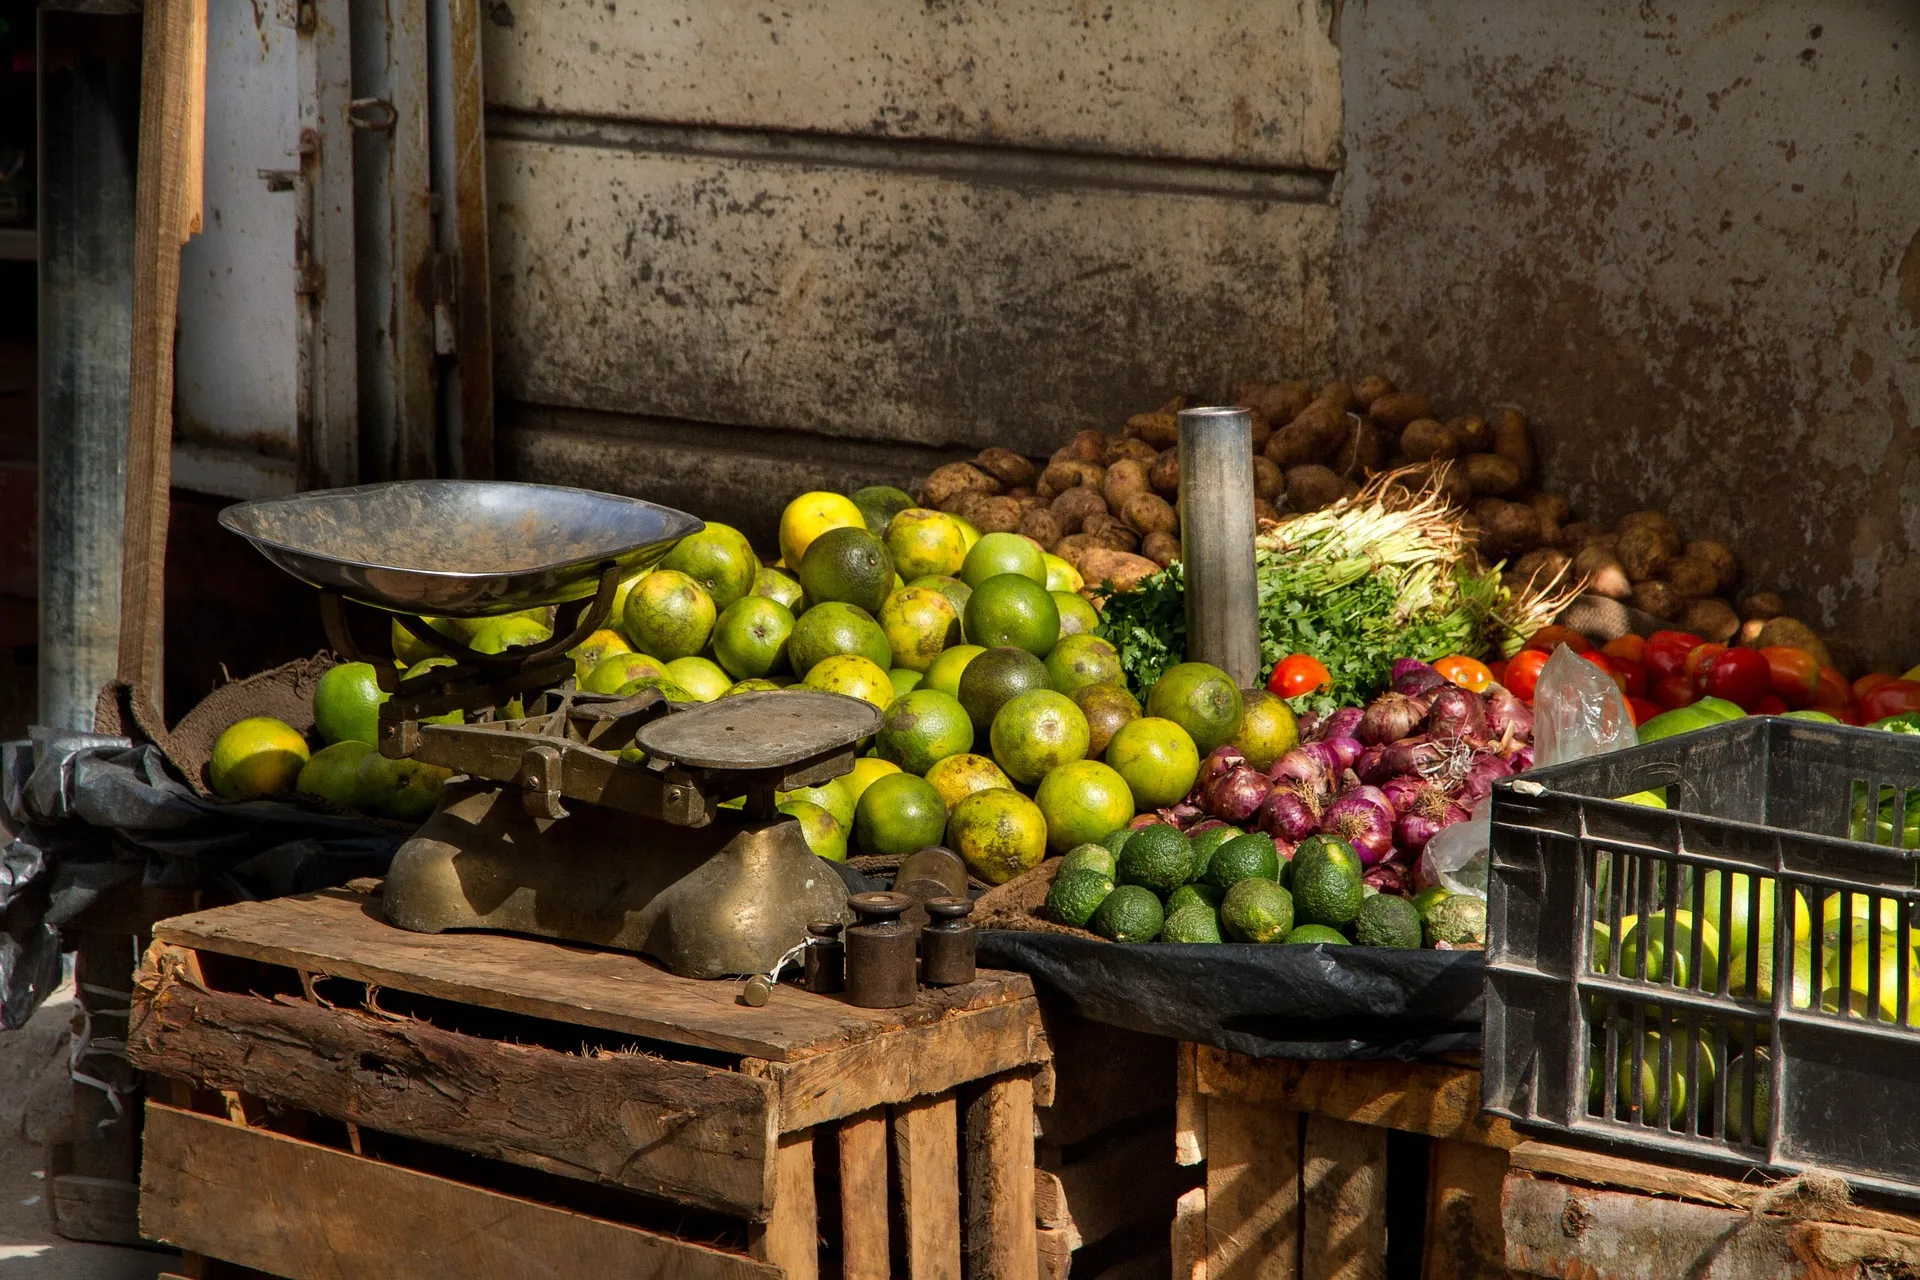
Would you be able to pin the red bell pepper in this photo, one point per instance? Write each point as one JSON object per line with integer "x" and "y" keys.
{"x": 1741, "y": 676}
{"x": 1642, "y": 710}
{"x": 1665, "y": 652}
{"x": 1631, "y": 676}
{"x": 1794, "y": 674}
{"x": 1894, "y": 698}
{"x": 1771, "y": 704}
{"x": 1867, "y": 683}
{"x": 1694, "y": 668}
{"x": 1675, "y": 691}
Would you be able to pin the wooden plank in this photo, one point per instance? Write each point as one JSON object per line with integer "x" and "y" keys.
{"x": 1050, "y": 1203}
{"x": 931, "y": 1058}
{"x": 1190, "y": 1236}
{"x": 926, "y": 1138}
{"x": 1189, "y": 1108}
{"x": 1343, "y": 1233}
{"x": 343, "y": 934}
{"x": 688, "y": 1132}
{"x": 293, "y": 1208}
{"x": 1128, "y": 1182}
{"x": 790, "y": 1238}
{"x": 1055, "y": 1253}
{"x": 167, "y": 191}
{"x": 105, "y": 1210}
{"x": 1419, "y": 1097}
{"x": 863, "y": 1195}
{"x": 1464, "y": 1240}
{"x": 1000, "y": 1200}
{"x": 1556, "y": 1230}
{"x": 463, "y": 223}
{"x": 1253, "y": 1192}
{"x": 1089, "y": 1095}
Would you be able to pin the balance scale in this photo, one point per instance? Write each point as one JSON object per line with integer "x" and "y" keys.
{"x": 589, "y": 818}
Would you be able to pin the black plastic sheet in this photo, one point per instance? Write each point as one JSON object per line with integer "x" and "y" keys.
{"x": 87, "y": 814}
{"x": 1314, "y": 1002}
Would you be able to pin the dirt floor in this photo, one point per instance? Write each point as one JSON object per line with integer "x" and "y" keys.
{"x": 34, "y": 1090}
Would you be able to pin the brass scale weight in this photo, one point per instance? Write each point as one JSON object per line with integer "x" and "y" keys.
{"x": 549, "y": 831}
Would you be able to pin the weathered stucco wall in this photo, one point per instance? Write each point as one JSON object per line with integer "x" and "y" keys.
{"x": 738, "y": 249}
{"x": 1686, "y": 236}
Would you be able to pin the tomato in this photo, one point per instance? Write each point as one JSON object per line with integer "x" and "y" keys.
{"x": 1741, "y": 676}
{"x": 1894, "y": 698}
{"x": 1833, "y": 691}
{"x": 1547, "y": 639}
{"x": 1674, "y": 692}
{"x": 1631, "y": 647}
{"x": 1867, "y": 683}
{"x": 1794, "y": 675}
{"x": 1523, "y": 673}
{"x": 1630, "y": 675}
{"x": 1469, "y": 673}
{"x": 1498, "y": 670}
{"x": 1642, "y": 710}
{"x": 1771, "y": 704}
{"x": 1697, "y": 660}
{"x": 1298, "y": 673}
{"x": 1666, "y": 652}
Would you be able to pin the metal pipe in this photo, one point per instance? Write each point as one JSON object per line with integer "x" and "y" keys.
{"x": 1216, "y": 540}
{"x": 89, "y": 70}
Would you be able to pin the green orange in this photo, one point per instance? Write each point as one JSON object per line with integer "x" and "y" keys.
{"x": 810, "y": 515}
{"x": 1036, "y": 733}
{"x": 719, "y": 558}
{"x": 994, "y": 678}
{"x": 700, "y": 677}
{"x": 998, "y": 833}
{"x": 258, "y": 756}
{"x": 898, "y": 814}
{"x": 779, "y": 587}
{"x": 1012, "y": 609}
{"x": 1106, "y": 707}
{"x": 819, "y": 828}
{"x": 945, "y": 671}
{"x": 594, "y": 650}
{"x": 1080, "y": 660}
{"x": 922, "y": 729}
{"x": 834, "y": 628}
{"x": 750, "y": 637}
{"x": 1158, "y": 759}
{"x": 952, "y": 588}
{"x": 854, "y": 676}
{"x": 919, "y": 623}
{"x": 866, "y": 771}
{"x": 670, "y": 615}
{"x": 959, "y": 776}
{"x": 1077, "y": 617}
{"x": 998, "y": 553}
{"x": 849, "y": 565}
{"x": 925, "y": 542}
{"x": 346, "y": 703}
{"x": 614, "y": 671}
{"x": 1267, "y": 728}
{"x": 1082, "y": 800}
{"x": 1200, "y": 698}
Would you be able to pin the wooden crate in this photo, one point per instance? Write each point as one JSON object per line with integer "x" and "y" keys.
{"x": 349, "y": 1098}
{"x": 1337, "y": 1170}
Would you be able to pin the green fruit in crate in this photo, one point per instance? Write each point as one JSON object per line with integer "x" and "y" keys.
{"x": 782, "y": 589}
{"x": 1009, "y": 609}
{"x": 1680, "y": 720}
{"x": 1080, "y": 660}
{"x": 1720, "y": 709}
{"x": 1459, "y": 921}
{"x": 750, "y": 637}
{"x": 700, "y": 677}
{"x": 1195, "y": 892}
{"x": 1158, "y": 857}
{"x": 620, "y": 669}
{"x": 1157, "y": 758}
{"x": 669, "y": 615}
{"x": 1650, "y": 933}
{"x": 1076, "y": 894}
{"x": 1250, "y": 856}
{"x": 898, "y": 814}
{"x": 1106, "y": 707}
{"x": 994, "y": 678}
{"x": 1193, "y": 922}
{"x": 1090, "y": 857}
{"x": 1077, "y": 617}
{"x": 920, "y": 624}
{"x": 330, "y": 774}
{"x": 952, "y": 588}
{"x": 1326, "y": 882}
{"x": 1131, "y": 913}
{"x": 1742, "y": 935}
{"x": 1000, "y": 553}
{"x": 1256, "y": 910}
{"x": 925, "y": 544}
{"x": 879, "y": 504}
{"x": 1387, "y": 920}
{"x": 998, "y": 833}
{"x": 1861, "y": 999}
{"x": 1036, "y": 733}
{"x": 346, "y": 703}
{"x": 1201, "y": 699}
{"x": 945, "y": 671}
{"x": 822, "y": 831}
{"x": 1267, "y": 728}
{"x": 1082, "y": 800}
{"x": 832, "y": 795}
{"x": 958, "y": 776}
{"x": 1309, "y": 934}
{"x": 922, "y": 729}
{"x": 836, "y": 628}
{"x": 1678, "y": 1092}
{"x": 1744, "y": 1124}
{"x": 1204, "y": 843}
{"x": 849, "y": 566}
{"x": 719, "y": 558}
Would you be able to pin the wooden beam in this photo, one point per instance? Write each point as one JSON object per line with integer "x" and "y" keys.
{"x": 863, "y": 1195}
{"x": 1464, "y": 1236}
{"x": 1189, "y": 1108}
{"x": 790, "y": 1238}
{"x": 295, "y": 1208}
{"x": 167, "y": 193}
{"x": 1253, "y": 1192}
{"x": 1189, "y": 1241}
{"x": 1417, "y": 1097}
{"x": 926, "y": 1138}
{"x": 1343, "y": 1183}
{"x": 1000, "y": 1210}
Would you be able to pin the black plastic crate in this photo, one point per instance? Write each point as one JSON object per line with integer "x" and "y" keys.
{"x": 1654, "y": 1033}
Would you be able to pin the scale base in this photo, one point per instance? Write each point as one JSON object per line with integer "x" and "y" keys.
{"x": 707, "y": 902}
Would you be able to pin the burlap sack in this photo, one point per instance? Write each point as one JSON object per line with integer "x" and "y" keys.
{"x": 1017, "y": 905}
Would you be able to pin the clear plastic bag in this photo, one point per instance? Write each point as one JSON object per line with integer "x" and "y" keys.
{"x": 1578, "y": 711}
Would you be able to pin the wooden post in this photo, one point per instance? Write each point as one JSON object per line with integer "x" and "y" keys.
{"x": 1216, "y": 540}
{"x": 1000, "y": 1216}
{"x": 790, "y": 1238}
{"x": 863, "y": 1195}
{"x": 1253, "y": 1191}
{"x": 927, "y": 1150}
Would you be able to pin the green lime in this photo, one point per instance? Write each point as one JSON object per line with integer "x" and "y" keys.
{"x": 1157, "y": 857}
{"x": 1038, "y": 732}
{"x": 998, "y": 833}
{"x": 1082, "y": 800}
{"x": 848, "y": 565}
{"x": 669, "y": 688}
{"x": 750, "y": 637}
{"x": 832, "y": 795}
{"x": 1192, "y": 922}
{"x": 922, "y": 729}
{"x": 1009, "y": 609}
{"x": 719, "y": 558}
{"x": 904, "y": 681}
{"x": 1307, "y": 934}
{"x": 821, "y": 830}
{"x": 1256, "y": 910}
{"x": 1081, "y": 660}
{"x": 919, "y": 624}
{"x": 591, "y": 652}
{"x": 828, "y": 629}
{"x": 1077, "y": 617}
{"x": 330, "y": 774}
{"x": 780, "y": 588}
{"x": 1116, "y": 840}
{"x": 1158, "y": 760}
{"x": 1387, "y": 920}
{"x": 879, "y": 504}
{"x": 944, "y": 672}
{"x": 1076, "y": 894}
{"x": 1131, "y": 913}
{"x": 999, "y": 553}
{"x": 1247, "y": 857}
{"x": 898, "y": 814}
{"x": 996, "y": 677}
{"x": 1201, "y": 699}
{"x": 1204, "y": 894}
{"x": 346, "y": 704}
{"x": 669, "y": 615}
{"x": 1204, "y": 841}
{"x": 700, "y": 677}
{"x": 620, "y": 669}
{"x": 1326, "y": 882}
{"x": 1096, "y": 857}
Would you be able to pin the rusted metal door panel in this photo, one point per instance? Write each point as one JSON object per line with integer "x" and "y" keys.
{"x": 884, "y": 305}
{"x": 1686, "y": 238}
{"x": 327, "y": 404}
{"x": 1212, "y": 80}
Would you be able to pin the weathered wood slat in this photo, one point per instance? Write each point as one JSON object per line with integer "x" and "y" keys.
{"x": 790, "y": 1239}
{"x": 1343, "y": 1179}
{"x": 701, "y": 1135}
{"x": 342, "y": 934}
{"x": 864, "y": 1228}
{"x": 1000, "y": 1210}
{"x": 1089, "y": 1095}
{"x": 296, "y": 1209}
{"x": 926, "y": 1152}
{"x": 1464, "y": 1240}
{"x": 1417, "y": 1097}
{"x": 1253, "y": 1191}
{"x": 1134, "y": 1180}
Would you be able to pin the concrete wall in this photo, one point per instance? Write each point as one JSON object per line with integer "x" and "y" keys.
{"x": 1686, "y": 236}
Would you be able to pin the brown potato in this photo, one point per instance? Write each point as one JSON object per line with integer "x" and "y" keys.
{"x": 1149, "y": 513}
{"x": 1301, "y": 441}
{"x": 1074, "y": 545}
{"x": 1657, "y": 598}
{"x": 1020, "y": 491}
{"x": 1493, "y": 475}
{"x": 1692, "y": 578}
{"x": 991, "y": 514}
{"x": 1074, "y": 506}
{"x": 1510, "y": 441}
{"x": 1476, "y": 436}
{"x": 1120, "y": 448}
{"x": 1713, "y": 619}
{"x": 1359, "y": 451}
{"x": 1086, "y": 446}
{"x": 1265, "y": 511}
{"x": 1028, "y": 502}
{"x": 1006, "y": 466}
{"x": 1718, "y": 554}
{"x": 1124, "y": 479}
{"x": 1541, "y": 566}
{"x": 1312, "y": 486}
{"x": 1069, "y": 474}
{"x": 1795, "y": 634}
{"x": 1164, "y": 474}
{"x": 1603, "y": 572}
{"x": 1161, "y": 430}
{"x": 1551, "y": 506}
{"x": 1578, "y": 534}
{"x": 1269, "y": 481}
{"x": 1484, "y": 509}
{"x": 1369, "y": 389}
{"x": 1279, "y": 401}
{"x": 1112, "y": 531}
{"x": 1749, "y": 633}
{"x": 1762, "y": 605}
{"x": 1262, "y": 430}
{"x": 1398, "y": 408}
{"x": 1425, "y": 440}
{"x": 1104, "y": 567}
{"x": 1512, "y": 530}
{"x": 947, "y": 484}
{"x": 1643, "y": 554}
{"x": 1043, "y": 527}
{"x": 1549, "y": 531}
{"x": 1451, "y": 479}
{"x": 1161, "y": 548}
{"x": 1607, "y": 542}
{"x": 1662, "y": 528}
{"x": 1338, "y": 394}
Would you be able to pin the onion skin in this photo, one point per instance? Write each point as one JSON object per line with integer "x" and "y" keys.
{"x": 1309, "y": 766}
{"x": 1456, "y": 713}
{"x": 1363, "y": 818}
{"x": 1522, "y": 759}
{"x": 1219, "y": 762}
{"x": 1404, "y": 790}
{"x": 1487, "y": 768}
{"x": 1146, "y": 820}
{"x": 1419, "y": 825}
{"x": 1389, "y": 718}
{"x": 1347, "y": 751}
{"x": 1410, "y": 675}
{"x": 1507, "y": 716}
{"x": 1411, "y": 755}
{"x": 1368, "y": 767}
{"x": 1388, "y": 877}
{"x": 1343, "y": 722}
{"x": 1238, "y": 794}
{"x": 1288, "y": 815}
{"x": 1183, "y": 815}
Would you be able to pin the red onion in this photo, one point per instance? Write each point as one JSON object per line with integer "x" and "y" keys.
{"x": 1457, "y": 713}
{"x": 1507, "y": 716}
{"x": 1388, "y": 877}
{"x": 1308, "y": 722}
{"x": 1237, "y": 794}
{"x": 1145, "y": 820}
{"x": 1343, "y": 722}
{"x": 1311, "y": 766}
{"x": 1424, "y": 821}
{"x": 1363, "y": 818}
{"x": 1404, "y": 791}
{"x": 1368, "y": 768}
{"x": 1421, "y": 755}
{"x": 1346, "y": 751}
{"x": 1522, "y": 760}
{"x": 1410, "y": 675}
{"x": 1219, "y": 761}
{"x": 1183, "y": 815}
{"x": 1485, "y": 769}
{"x": 1389, "y": 718}
{"x": 1205, "y": 825}
{"x": 1289, "y": 814}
